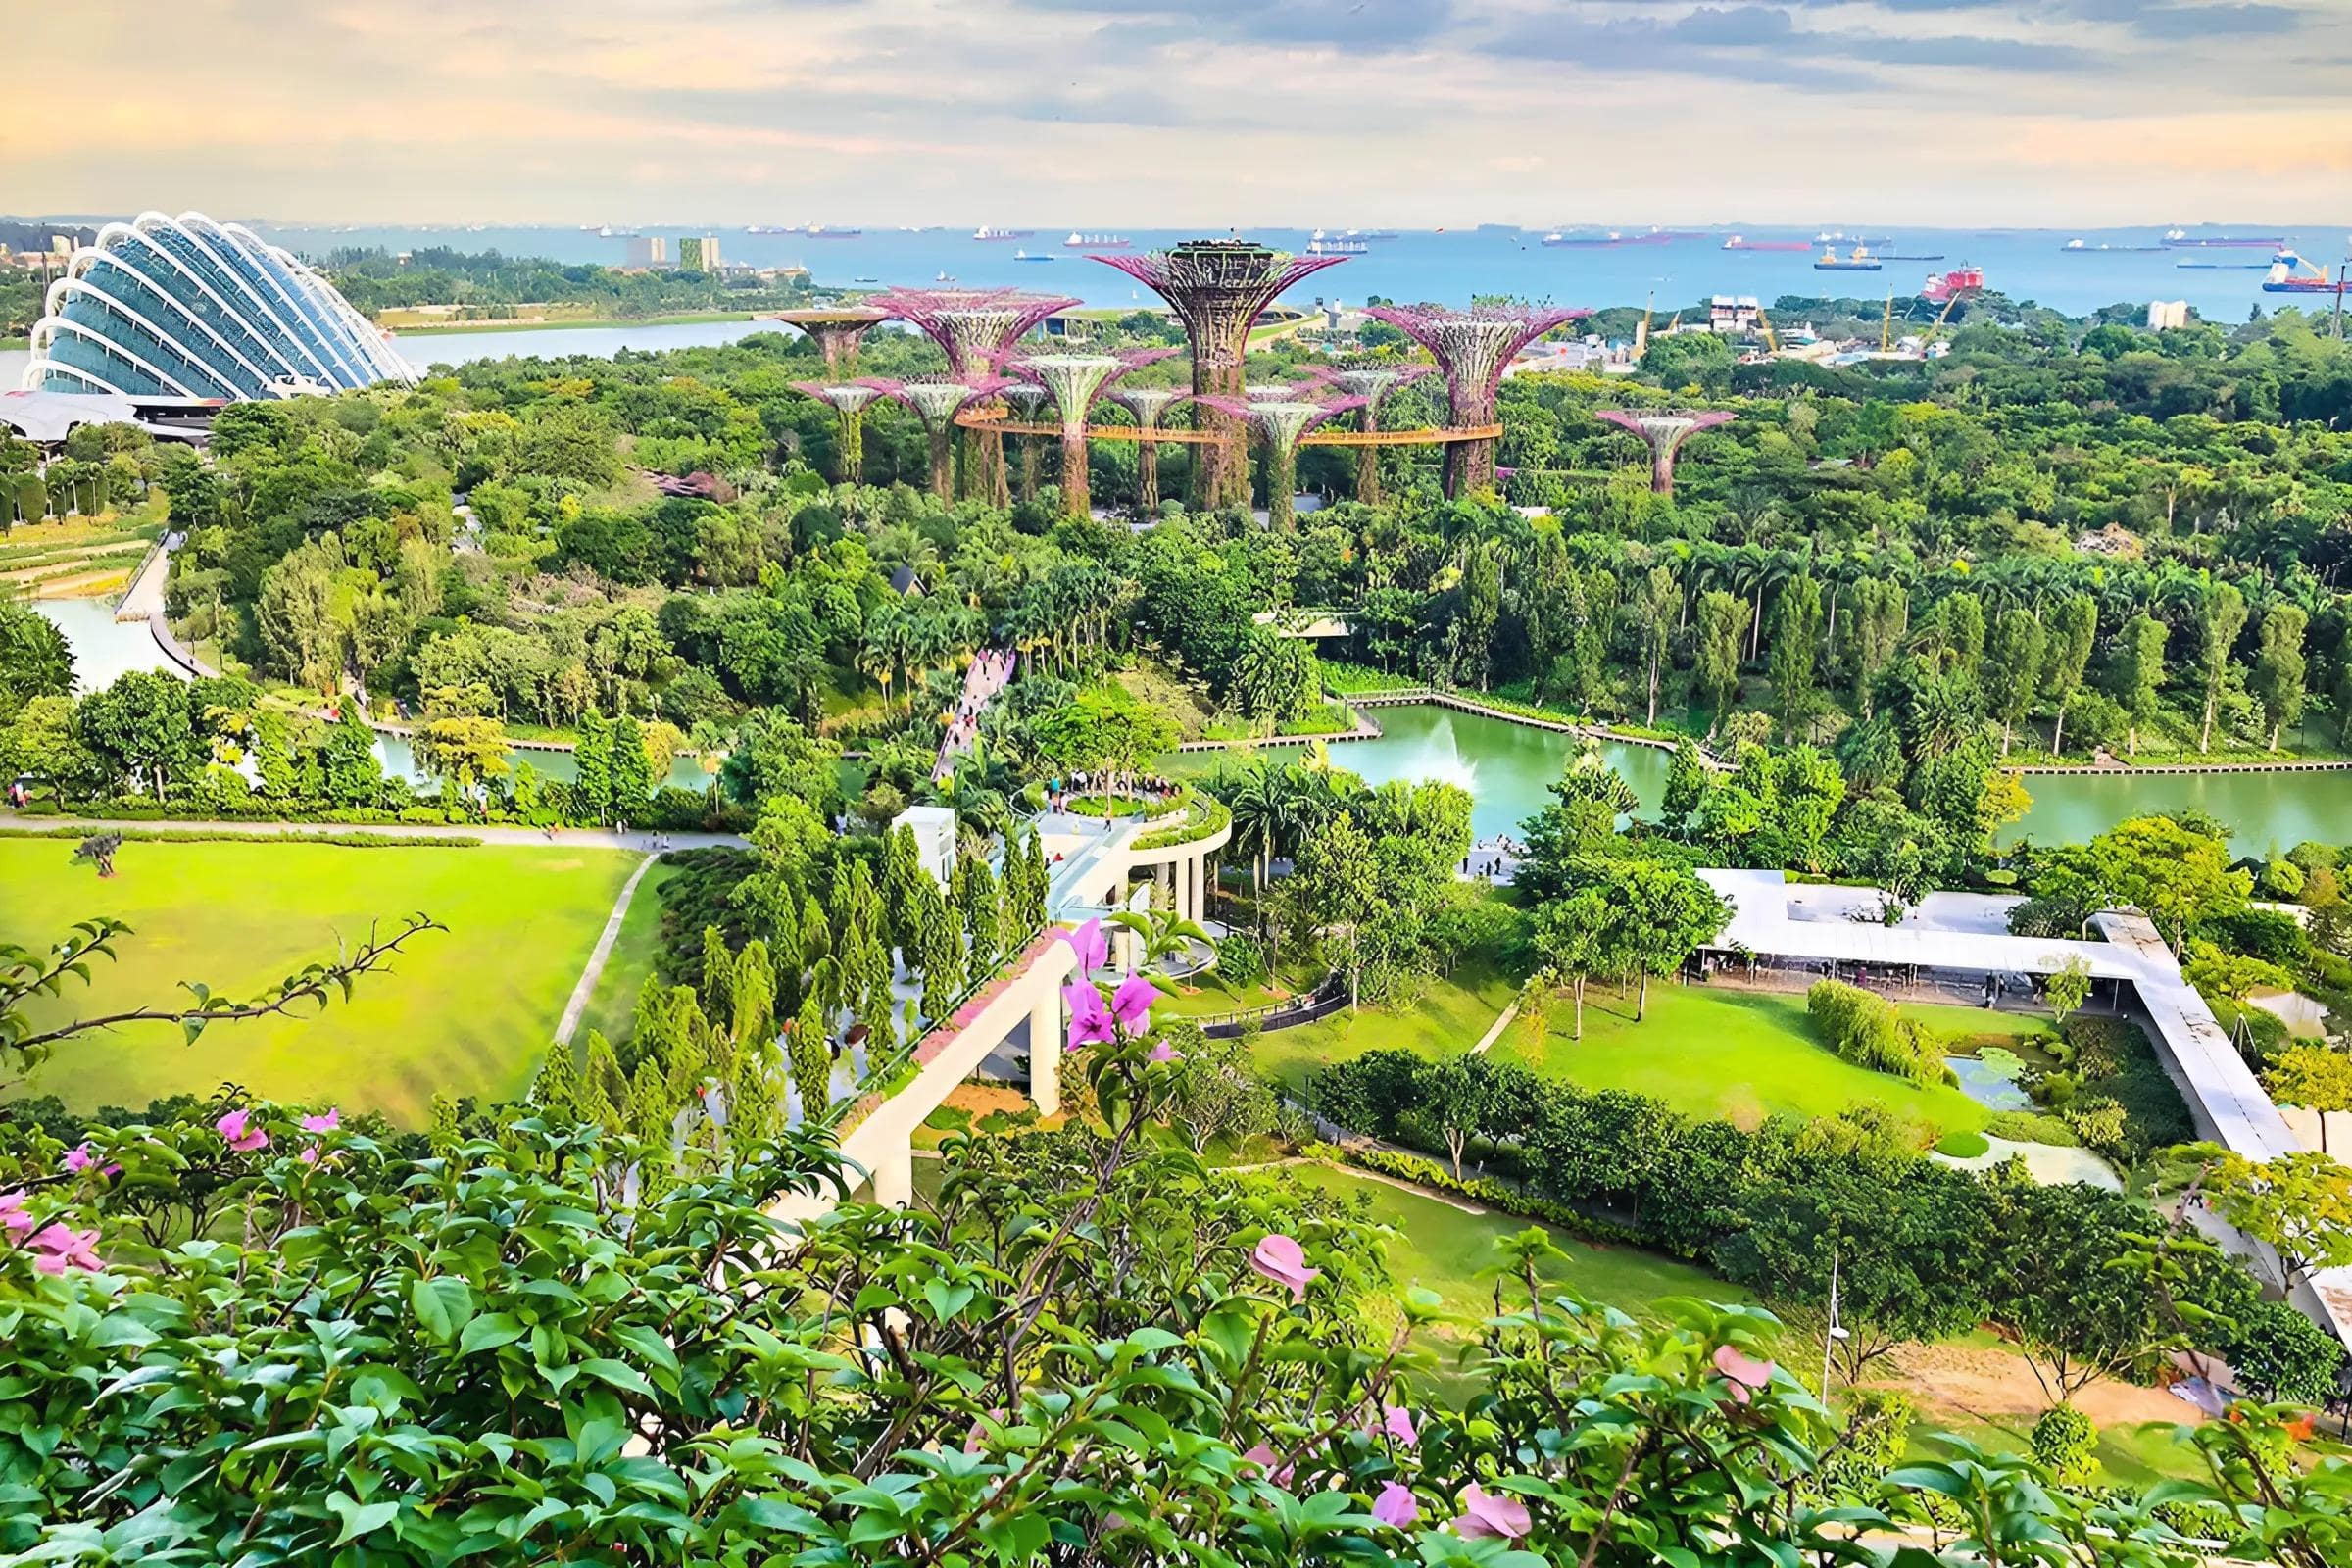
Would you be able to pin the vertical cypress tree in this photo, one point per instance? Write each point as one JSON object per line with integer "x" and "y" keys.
{"x": 812, "y": 1062}
{"x": 982, "y": 912}
{"x": 556, "y": 1091}
{"x": 633, "y": 770}
{"x": 752, "y": 1016}
{"x": 603, "y": 1091}
{"x": 752, "y": 1094}
{"x": 904, "y": 881}
{"x": 942, "y": 944}
{"x": 719, "y": 974}
{"x": 1796, "y": 640}
{"x": 592, "y": 762}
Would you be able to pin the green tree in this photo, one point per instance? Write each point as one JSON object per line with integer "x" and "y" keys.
{"x": 1666, "y": 913}
{"x": 2314, "y": 1076}
{"x": 2279, "y": 668}
{"x": 1686, "y": 783}
{"x": 633, "y": 779}
{"x": 2067, "y": 988}
{"x": 1796, "y": 640}
{"x": 2221, "y": 614}
{"x": 2014, "y": 672}
{"x": 1579, "y": 937}
{"x": 1213, "y": 1089}
{"x": 2074, "y": 631}
{"x": 34, "y": 660}
{"x": 592, "y": 762}
{"x": 1721, "y": 624}
{"x": 2136, "y": 672}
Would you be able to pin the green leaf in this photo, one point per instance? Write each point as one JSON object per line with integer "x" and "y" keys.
{"x": 946, "y": 1299}
{"x": 359, "y": 1518}
{"x": 490, "y": 1331}
{"x": 619, "y": 1374}
{"x": 442, "y": 1305}
{"x": 649, "y": 1343}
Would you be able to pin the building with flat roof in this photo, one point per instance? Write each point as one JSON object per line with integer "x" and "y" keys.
{"x": 648, "y": 251}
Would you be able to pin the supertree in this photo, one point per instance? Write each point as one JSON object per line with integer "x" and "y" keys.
{"x": 1028, "y": 400}
{"x": 1280, "y": 424}
{"x": 1664, "y": 433}
{"x": 1472, "y": 348}
{"x": 848, "y": 400}
{"x": 837, "y": 329}
{"x": 1076, "y": 380}
{"x": 936, "y": 403}
{"x": 1373, "y": 383}
{"x": 1218, "y": 288}
{"x": 1147, "y": 404}
{"x": 974, "y": 327}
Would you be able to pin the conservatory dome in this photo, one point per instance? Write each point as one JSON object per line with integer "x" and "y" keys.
{"x": 184, "y": 306}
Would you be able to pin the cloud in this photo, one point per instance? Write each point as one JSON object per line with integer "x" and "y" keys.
{"x": 1764, "y": 43}
{"x": 1352, "y": 24}
{"x": 2216, "y": 21}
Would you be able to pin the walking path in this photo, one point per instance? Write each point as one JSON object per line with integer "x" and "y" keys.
{"x": 1494, "y": 1030}
{"x": 586, "y": 988}
{"x": 990, "y": 672}
{"x": 394, "y": 832}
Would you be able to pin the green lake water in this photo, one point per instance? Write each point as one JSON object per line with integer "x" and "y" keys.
{"x": 1506, "y": 768}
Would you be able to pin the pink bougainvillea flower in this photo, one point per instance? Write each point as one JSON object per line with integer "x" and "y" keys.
{"x": 323, "y": 1124}
{"x": 1264, "y": 1459}
{"x": 77, "y": 1160}
{"x": 63, "y": 1247}
{"x": 1284, "y": 1261}
{"x": 1131, "y": 1003}
{"x": 1492, "y": 1514}
{"x": 1746, "y": 1372}
{"x": 1397, "y": 1422}
{"x": 1090, "y": 1020}
{"x": 1166, "y": 1052}
{"x": 1395, "y": 1505}
{"x": 13, "y": 1215}
{"x": 310, "y": 1156}
{"x": 243, "y": 1137}
{"x": 1089, "y": 942}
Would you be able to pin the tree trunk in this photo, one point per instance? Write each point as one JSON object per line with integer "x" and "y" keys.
{"x": 1642, "y": 998}
{"x": 2004, "y": 737}
{"x": 1579, "y": 1009}
{"x": 2205, "y": 735}
{"x": 1454, "y": 1141}
{"x": 2058, "y": 732}
{"x": 1653, "y": 687}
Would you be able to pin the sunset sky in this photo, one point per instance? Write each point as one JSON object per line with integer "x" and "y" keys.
{"x": 2070, "y": 113}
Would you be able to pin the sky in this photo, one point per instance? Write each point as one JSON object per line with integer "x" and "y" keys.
{"x": 1153, "y": 113}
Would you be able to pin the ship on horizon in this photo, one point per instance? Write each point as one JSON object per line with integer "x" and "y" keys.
{"x": 1740, "y": 242}
{"x": 823, "y": 232}
{"x": 1858, "y": 259}
{"x": 2284, "y": 280}
{"x": 984, "y": 232}
{"x": 1322, "y": 244}
{"x": 2183, "y": 239}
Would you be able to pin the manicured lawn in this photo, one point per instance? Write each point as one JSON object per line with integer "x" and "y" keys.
{"x": 1710, "y": 1051}
{"x": 613, "y": 1005}
{"x": 1442, "y": 1248}
{"x": 467, "y": 1011}
{"x": 1449, "y": 1016}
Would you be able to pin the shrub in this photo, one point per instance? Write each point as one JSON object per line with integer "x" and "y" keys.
{"x": 2284, "y": 1355}
{"x": 2266, "y": 934}
{"x": 2031, "y": 1127}
{"x": 2100, "y": 1045}
{"x": 1240, "y": 961}
{"x": 2098, "y": 1121}
{"x": 2065, "y": 1444}
{"x": 1866, "y": 1030}
{"x": 1962, "y": 1145}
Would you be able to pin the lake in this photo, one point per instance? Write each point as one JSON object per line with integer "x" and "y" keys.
{"x": 1508, "y": 768}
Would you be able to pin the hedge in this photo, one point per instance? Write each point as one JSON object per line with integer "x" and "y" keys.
{"x": 1485, "y": 1189}
{"x": 1865, "y": 1029}
{"x": 348, "y": 841}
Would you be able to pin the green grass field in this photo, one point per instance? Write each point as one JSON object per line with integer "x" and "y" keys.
{"x": 466, "y": 1012}
{"x": 1449, "y": 1016}
{"x": 613, "y": 1005}
{"x": 1717, "y": 1052}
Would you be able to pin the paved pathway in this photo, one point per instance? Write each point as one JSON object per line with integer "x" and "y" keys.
{"x": 531, "y": 836}
{"x": 1494, "y": 1030}
{"x": 586, "y": 988}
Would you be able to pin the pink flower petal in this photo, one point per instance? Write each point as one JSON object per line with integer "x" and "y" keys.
{"x": 1492, "y": 1514}
{"x": 1264, "y": 1459}
{"x": 1166, "y": 1052}
{"x": 1395, "y": 1505}
{"x": 1131, "y": 1003}
{"x": 1282, "y": 1260}
{"x": 1088, "y": 943}
{"x": 232, "y": 1126}
{"x": 1743, "y": 1368}
{"x": 1397, "y": 1422}
{"x": 322, "y": 1124}
{"x": 13, "y": 1215}
{"x": 77, "y": 1160}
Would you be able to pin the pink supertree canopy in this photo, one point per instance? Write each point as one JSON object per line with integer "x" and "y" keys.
{"x": 1474, "y": 347}
{"x": 973, "y": 327}
{"x": 1665, "y": 430}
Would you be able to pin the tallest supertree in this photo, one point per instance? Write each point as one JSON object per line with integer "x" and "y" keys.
{"x": 974, "y": 329}
{"x": 1473, "y": 348}
{"x": 1218, "y": 288}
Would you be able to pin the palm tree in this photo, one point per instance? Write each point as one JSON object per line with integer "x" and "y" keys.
{"x": 1263, "y": 815}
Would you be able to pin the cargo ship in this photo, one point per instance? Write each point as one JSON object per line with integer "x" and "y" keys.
{"x": 1740, "y": 242}
{"x": 1095, "y": 242}
{"x": 1322, "y": 244}
{"x": 2183, "y": 239}
{"x": 1858, "y": 259}
{"x": 2076, "y": 247}
{"x": 769, "y": 229}
{"x": 1839, "y": 236}
{"x": 1910, "y": 256}
{"x": 1612, "y": 237}
{"x": 984, "y": 232}
{"x": 826, "y": 231}
{"x": 1024, "y": 256}
{"x": 1958, "y": 283}
{"x": 2284, "y": 280}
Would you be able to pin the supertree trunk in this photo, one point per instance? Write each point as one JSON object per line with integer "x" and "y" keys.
{"x": 852, "y": 445}
{"x": 1075, "y": 499}
{"x": 1220, "y": 468}
{"x": 1469, "y": 468}
{"x": 1367, "y": 462}
{"x": 984, "y": 476}
{"x": 1147, "y": 473}
{"x": 943, "y": 461}
{"x": 1028, "y": 469}
{"x": 1282, "y": 482}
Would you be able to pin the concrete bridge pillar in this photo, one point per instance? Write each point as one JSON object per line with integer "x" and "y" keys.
{"x": 1044, "y": 1052}
{"x": 893, "y": 1175}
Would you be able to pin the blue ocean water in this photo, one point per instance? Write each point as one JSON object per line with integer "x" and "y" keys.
{"x": 1451, "y": 266}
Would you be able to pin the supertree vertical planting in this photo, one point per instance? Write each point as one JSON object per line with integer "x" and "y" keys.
{"x": 974, "y": 329}
{"x": 1665, "y": 434}
{"x": 1472, "y": 348}
{"x": 1076, "y": 380}
{"x": 1280, "y": 424}
{"x": 1218, "y": 288}
{"x": 936, "y": 403}
{"x": 1146, "y": 404}
{"x": 848, "y": 400}
{"x": 837, "y": 329}
{"x": 1372, "y": 383}
{"x": 1028, "y": 400}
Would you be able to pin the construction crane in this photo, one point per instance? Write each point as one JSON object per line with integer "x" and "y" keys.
{"x": 1772, "y": 339}
{"x": 1886, "y": 326}
{"x": 1641, "y": 336}
{"x": 1942, "y": 317}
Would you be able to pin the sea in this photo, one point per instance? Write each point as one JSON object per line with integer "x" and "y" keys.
{"x": 1452, "y": 265}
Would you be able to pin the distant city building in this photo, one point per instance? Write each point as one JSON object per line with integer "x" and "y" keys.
{"x": 1731, "y": 316}
{"x": 647, "y": 249}
{"x": 188, "y": 308}
{"x": 2166, "y": 316}
{"x": 698, "y": 254}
